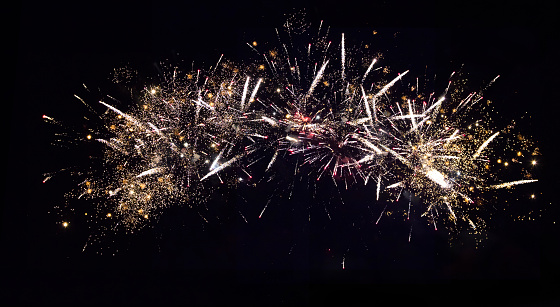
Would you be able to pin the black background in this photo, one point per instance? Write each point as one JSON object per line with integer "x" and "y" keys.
{"x": 53, "y": 49}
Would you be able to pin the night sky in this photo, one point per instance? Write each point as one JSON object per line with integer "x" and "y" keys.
{"x": 284, "y": 259}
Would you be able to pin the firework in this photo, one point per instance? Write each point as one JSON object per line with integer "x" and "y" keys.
{"x": 325, "y": 103}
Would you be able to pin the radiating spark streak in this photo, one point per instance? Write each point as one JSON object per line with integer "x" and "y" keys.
{"x": 408, "y": 116}
{"x": 398, "y": 156}
{"x": 245, "y": 88}
{"x": 472, "y": 224}
{"x": 511, "y": 183}
{"x": 425, "y": 113}
{"x": 411, "y": 113}
{"x": 370, "y": 145}
{"x": 438, "y": 178}
{"x": 218, "y": 63}
{"x": 369, "y": 69}
{"x": 85, "y": 104}
{"x": 317, "y": 78}
{"x": 265, "y": 206}
{"x": 202, "y": 103}
{"x": 155, "y": 129}
{"x": 451, "y": 211}
{"x": 481, "y": 148}
{"x": 452, "y": 137}
{"x": 389, "y": 85}
{"x": 408, "y": 212}
{"x": 292, "y": 139}
{"x": 128, "y": 117}
{"x": 155, "y": 170}
{"x": 269, "y": 120}
{"x": 366, "y": 159}
{"x": 465, "y": 101}
{"x": 465, "y": 197}
{"x": 254, "y": 93}
{"x": 395, "y": 185}
{"x": 221, "y": 167}
{"x": 112, "y": 145}
{"x": 215, "y": 163}
{"x": 436, "y": 105}
{"x": 448, "y": 157}
{"x": 366, "y": 104}
{"x": 343, "y": 57}
{"x": 272, "y": 160}
{"x": 380, "y": 215}
{"x": 247, "y": 173}
{"x": 378, "y": 187}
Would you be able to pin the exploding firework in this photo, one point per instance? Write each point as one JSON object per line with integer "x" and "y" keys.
{"x": 331, "y": 106}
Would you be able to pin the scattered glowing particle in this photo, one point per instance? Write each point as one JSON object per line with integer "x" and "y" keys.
{"x": 64, "y": 224}
{"x": 499, "y": 160}
{"x": 534, "y": 162}
{"x": 153, "y": 91}
{"x": 88, "y": 136}
{"x": 145, "y": 216}
{"x": 506, "y": 164}
{"x": 109, "y": 214}
{"x": 254, "y": 43}
{"x": 519, "y": 153}
{"x": 533, "y": 196}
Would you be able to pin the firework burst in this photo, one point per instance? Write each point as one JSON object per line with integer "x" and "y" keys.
{"x": 329, "y": 105}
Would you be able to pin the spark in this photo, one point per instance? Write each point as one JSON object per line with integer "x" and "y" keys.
{"x": 317, "y": 78}
{"x": 484, "y": 145}
{"x": 438, "y": 178}
{"x": 342, "y": 57}
{"x": 369, "y": 68}
{"x": 245, "y": 88}
{"x": 155, "y": 170}
{"x": 221, "y": 167}
{"x": 512, "y": 183}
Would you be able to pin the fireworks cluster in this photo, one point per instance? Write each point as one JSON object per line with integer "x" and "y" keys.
{"x": 338, "y": 111}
